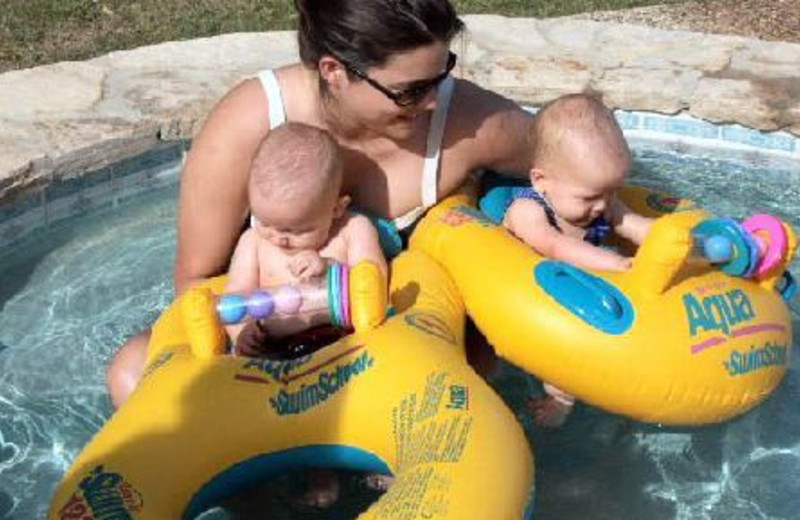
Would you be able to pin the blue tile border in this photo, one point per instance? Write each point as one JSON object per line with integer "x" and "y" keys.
{"x": 701, "y": 132}
{"x": 22, "y": 204}
{"x": 132, "y": 186}
{"x": 148, "y": 160}
{"x": 740, "y": 134}
{"x": 62, "y": 188}
{"x": 706, "y": 134}
{"x": 684, "y": 127}
{"x": 95, "y": 190}
{"x": 71, "y": 203}
{"x": 22, "y": 225}
{"x": 628, "y": 120}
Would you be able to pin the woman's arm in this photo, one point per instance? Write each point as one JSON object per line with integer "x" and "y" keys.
{"x": 212, "y": 205}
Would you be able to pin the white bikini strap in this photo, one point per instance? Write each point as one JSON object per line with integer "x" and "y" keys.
{"x": 407, "y": 220}
{"x": 269, "y": 82}
{"x": 430, "y": 170}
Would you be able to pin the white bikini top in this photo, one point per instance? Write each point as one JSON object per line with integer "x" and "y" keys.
{"x": 430, "y": 169}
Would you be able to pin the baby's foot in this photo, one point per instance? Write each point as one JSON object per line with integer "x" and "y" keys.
{"x": 548, "y": 412}
{"x": 322, "y": 489}
{"x": 377, "y": 482}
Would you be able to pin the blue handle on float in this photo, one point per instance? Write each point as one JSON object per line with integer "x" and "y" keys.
{"x": 717, "y": 249}
{"x": 787, "y": 287}
{"x": 588, "y": 297}
{"x": 738, "y": 249}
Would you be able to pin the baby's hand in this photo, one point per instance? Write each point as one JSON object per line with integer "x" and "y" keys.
{"x": 307, "y": 264}
{"x": 253, "y": 340}
{"x": 625, "y": 263}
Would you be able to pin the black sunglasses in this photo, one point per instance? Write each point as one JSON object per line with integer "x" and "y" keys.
{"x": 408, "y": 96}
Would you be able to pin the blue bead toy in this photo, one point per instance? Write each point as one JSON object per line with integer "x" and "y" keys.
{"x": 232, "y": 308}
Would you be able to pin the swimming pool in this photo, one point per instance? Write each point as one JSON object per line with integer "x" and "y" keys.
{"x": 72, "y": 294}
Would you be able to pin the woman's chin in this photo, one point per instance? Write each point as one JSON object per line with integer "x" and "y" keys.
{"x": 401, "y": 128}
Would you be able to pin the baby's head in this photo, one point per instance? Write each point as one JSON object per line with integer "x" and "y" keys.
{"x": 579, "y": 157}
{"x": 294, "y": 187}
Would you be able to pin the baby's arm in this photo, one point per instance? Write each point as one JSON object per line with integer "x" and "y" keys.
{"x": 627, "y": 223}
{"x": 528, "y": 221}
{"x": 363, "y": 243}
{"x": 243, "y": 273}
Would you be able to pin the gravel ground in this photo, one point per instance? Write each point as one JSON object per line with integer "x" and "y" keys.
{"x": 777, "y": 20}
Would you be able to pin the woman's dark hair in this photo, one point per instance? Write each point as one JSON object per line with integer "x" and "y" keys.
{"x": 366, "y": 32}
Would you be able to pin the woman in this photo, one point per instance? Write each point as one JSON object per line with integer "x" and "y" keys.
{"x": 376, "y": 75}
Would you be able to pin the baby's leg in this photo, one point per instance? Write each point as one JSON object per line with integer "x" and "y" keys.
{"x": 552, "y": 409}
{"x": 323, "y": 489}
{"x": 378, "y": 482}
{"x": 125, "y": 369}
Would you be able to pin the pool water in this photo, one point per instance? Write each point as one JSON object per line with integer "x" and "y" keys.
{"x": 70, "y": 296}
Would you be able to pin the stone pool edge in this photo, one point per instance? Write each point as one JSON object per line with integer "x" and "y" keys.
{"x": 74, "y": 127}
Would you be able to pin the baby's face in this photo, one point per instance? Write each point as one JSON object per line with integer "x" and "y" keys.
{"x": 576, "y": 203}
{"x": 295, "y": 225}
{"x": 579, "y": 190}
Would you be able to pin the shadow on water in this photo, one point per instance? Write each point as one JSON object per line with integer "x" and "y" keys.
{"x": 16, "y": 274}
{"x": 18, "y": 266}
{"x": 574, "y": 462}
{"x": 6, "y": 505}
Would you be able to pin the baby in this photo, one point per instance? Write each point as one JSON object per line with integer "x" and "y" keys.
{"x": 299, "y": 223}
{"x": 580, "y": 158}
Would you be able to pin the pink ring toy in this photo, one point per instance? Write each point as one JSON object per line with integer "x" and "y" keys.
{"x": 774, "y": 246}
{"x": 288, "y": 299}
{"x": 345, "y": 288}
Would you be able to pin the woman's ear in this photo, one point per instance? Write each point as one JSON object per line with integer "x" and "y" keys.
{"x": 332, "y": 72}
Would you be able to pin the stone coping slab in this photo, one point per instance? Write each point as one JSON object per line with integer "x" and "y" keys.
{"x": 60, "y": 121}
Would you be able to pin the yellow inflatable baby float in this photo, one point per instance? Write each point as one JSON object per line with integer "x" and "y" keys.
{"x": 673, "y": 341}
{"x": 398, "y": 397}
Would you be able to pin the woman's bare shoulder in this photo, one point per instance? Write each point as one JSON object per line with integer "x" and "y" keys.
{"x": 245, "y": 105}
{"x": 474, "y": 104}
{"x": 473, "y": 99}
{"x": 495, "y": 128}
